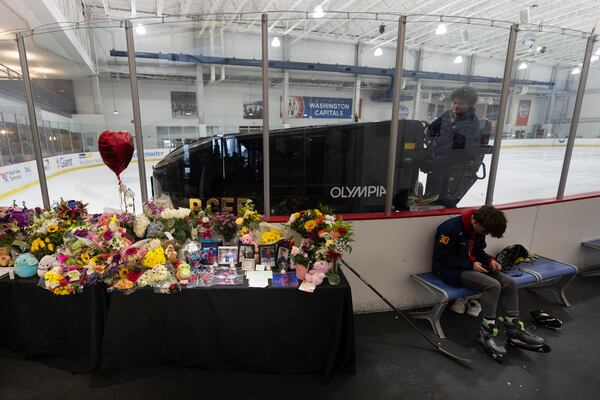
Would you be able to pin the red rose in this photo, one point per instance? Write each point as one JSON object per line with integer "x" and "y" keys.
{"x": 63, "y": 282}
{"x": 342, "y": 230}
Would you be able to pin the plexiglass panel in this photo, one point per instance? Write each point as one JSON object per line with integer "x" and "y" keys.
{"x": 583, "y": 172}
{"x": 78, "y": 96}
{"x": 18, "y": 170}
{"x": 453, "y": 84}
{"x": 540, "y": 109}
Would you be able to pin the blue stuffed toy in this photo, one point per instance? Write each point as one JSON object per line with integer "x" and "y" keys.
{"x": 26, "y": 265}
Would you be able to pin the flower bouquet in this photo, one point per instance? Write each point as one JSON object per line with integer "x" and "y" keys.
{"x": 65, "y": 279}
{"x": 248, "y": 218}
{"x": 225, "y": 225}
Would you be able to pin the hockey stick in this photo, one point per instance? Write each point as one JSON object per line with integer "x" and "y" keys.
{"x": 439, "y": 348}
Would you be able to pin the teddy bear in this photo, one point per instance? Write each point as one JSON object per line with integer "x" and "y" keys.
{"x": 171, "y": 250}
{"x": 5, "y": 257}
{"x": 317, "y": 274}
{"x": 46, "y": 264}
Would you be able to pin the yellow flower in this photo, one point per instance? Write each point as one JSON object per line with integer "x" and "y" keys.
{"x": 329, "y": 242}
{"x": 310, "y": 225}
{"x": 123, "y": 272}
{"x": 50, "y": 247}
{"x": 42, "y": 244}
{"x": 52, "y": 228}
{"x": 239, "y": 221}
{"x": 244, "y": 230}
{"x": 47, "y": 240}
{"x": 93, "y": 260}
{"x": 85, "y": 257}
{"x": 154, "y": 257}
{"x": 296, "y": 215}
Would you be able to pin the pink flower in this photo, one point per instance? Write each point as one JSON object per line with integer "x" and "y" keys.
{"x": 108, "y": 235}
{"x": 62, "y": 259}
{"x": 131, "y": 251}
{"x": 295, "y": 251}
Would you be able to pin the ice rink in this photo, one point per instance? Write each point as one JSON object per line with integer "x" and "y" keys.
{"x": 523, "y": 174}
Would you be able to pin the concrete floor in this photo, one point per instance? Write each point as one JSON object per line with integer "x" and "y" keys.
{"x": 393, "y": 362}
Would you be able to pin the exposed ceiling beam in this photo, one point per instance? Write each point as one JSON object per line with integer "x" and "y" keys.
{"x": 133, "y": 10}
{"x": 292, "y": 8}
{"x": 159, "y": 7}
{"x": 184, "y": 7}
{"x": 315, "y": 26}
{"x": 106, "y": 8}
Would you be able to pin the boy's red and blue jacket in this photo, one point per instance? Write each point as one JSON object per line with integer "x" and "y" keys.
{"x": 457, "y": 247}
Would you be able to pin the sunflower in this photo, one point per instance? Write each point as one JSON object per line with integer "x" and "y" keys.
{"x": 52, "y": 229}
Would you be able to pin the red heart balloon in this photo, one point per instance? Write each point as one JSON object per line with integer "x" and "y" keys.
{"x": 116, "y": 149}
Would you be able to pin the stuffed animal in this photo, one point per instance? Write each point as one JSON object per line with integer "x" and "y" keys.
{"x": 26, "y": 265}
{"x": 46, "y": 264}
{"x": 5, "y": 257}
{"x": 248, "y": 238}
{"x": 171, "y": 248}
{"x": 184, "y": 273}
{"x": 317, "y": 274}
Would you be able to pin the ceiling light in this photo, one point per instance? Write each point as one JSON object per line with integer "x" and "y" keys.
{"x": 3, "y": 131}
{"x": 275, "y": 42}
{"x": 318, "y": 12}
{"x": 378, "y": 52}
{"x": 458, "y": 60}
{"x": 523, "y": 65}
{"x": 140, "y": 29}
{"x": 115, "y": 112}
{"x": 575, "y": 71}
{"x": 441, "y": 29}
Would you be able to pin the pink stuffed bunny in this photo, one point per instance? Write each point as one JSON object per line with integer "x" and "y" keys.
{"x": 248, "y": 238}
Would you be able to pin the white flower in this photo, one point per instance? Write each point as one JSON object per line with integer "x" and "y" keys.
{"x": 292, "y": 218}
{"x": 170, "y": 213}
{"x": 140, "y": 225}
{"x": 205, "y": 220}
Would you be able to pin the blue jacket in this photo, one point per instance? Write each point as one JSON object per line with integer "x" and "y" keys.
{"x": 453, "y": 140}
{"x": 450, "y": 253}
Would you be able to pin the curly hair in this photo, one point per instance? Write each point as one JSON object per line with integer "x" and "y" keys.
{"x": 492, "y": 220}
{"x": 466, "y": 94}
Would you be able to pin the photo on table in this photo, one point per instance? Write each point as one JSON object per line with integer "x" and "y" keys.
{"x": 246, "y": 252}
{"x": 227, "y": 255}
{"x": 283, "y": 256}
{"x": 267, "y": 254}
{"x": 208, "y": 253}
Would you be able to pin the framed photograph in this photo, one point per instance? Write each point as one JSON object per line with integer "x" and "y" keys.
{"x": 183, "y": 104}
{"x": 208, "y": 252}
{"x": 246, "y": 252}
{"x": 267, "y": 254}
{"x": 282, "y": 260}
{"x": 227, "y": 255}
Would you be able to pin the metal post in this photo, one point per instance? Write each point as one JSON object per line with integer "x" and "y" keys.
{"x": 504, "y": 95}
{"x": 39, "y": 160}
{"x": 391, "y": 165}
{"x": 265, "y": 97}
{"x": 135, "y": 102}
{"x": 575, "y": 121}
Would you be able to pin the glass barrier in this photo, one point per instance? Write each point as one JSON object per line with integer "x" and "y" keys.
{"x": 79, "y": 94}
{"x": 333, "y": 99}
{"x": 583, "y": 174}
{"x": 330, "y": 102}
{"x": 200, "y": 91}
{"x": 539, "y": 114}
{"x": 453, "y": 83}
{"x": 19, "y": 181}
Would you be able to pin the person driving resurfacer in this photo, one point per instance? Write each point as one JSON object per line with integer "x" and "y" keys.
{"x": 455, "y": 138}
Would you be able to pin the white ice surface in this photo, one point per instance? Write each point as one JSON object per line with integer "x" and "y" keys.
{"x": 523, "y": 174}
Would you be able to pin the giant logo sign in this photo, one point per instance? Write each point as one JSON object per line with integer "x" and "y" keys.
{"x": 346, "y": 192}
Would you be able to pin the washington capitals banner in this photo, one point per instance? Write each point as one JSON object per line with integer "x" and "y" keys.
{"x": 319, "y": 107}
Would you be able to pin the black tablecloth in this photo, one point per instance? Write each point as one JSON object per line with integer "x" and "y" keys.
{"x": 62, "y": 331}
{"x": 271, "y": 330}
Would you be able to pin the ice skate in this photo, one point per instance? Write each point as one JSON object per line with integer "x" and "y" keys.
{"x": 487, "y": 333}
{"x": 518, "y": 336}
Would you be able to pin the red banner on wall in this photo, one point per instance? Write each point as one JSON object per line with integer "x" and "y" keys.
{"x": 523, "y": 112}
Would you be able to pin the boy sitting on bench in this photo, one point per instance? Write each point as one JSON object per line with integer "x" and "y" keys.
{"x": 459, "y": 258}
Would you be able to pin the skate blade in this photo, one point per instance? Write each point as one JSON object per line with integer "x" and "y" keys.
{"x": 543, "y": 348}
{"x": 495, "y": 356}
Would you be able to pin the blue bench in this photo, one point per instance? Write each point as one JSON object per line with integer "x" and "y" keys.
{"x": 541, "y": 273}
{"x": 593, "y": 271}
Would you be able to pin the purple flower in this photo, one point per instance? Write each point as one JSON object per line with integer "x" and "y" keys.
{"x": 83, "y": 233}
{"x": 108, "y": 235}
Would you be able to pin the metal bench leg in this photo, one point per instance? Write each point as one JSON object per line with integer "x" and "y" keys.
{"x": 433, "y": 316}
{"x": 590, "y": 272}
{"x": 559, "y": 289}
